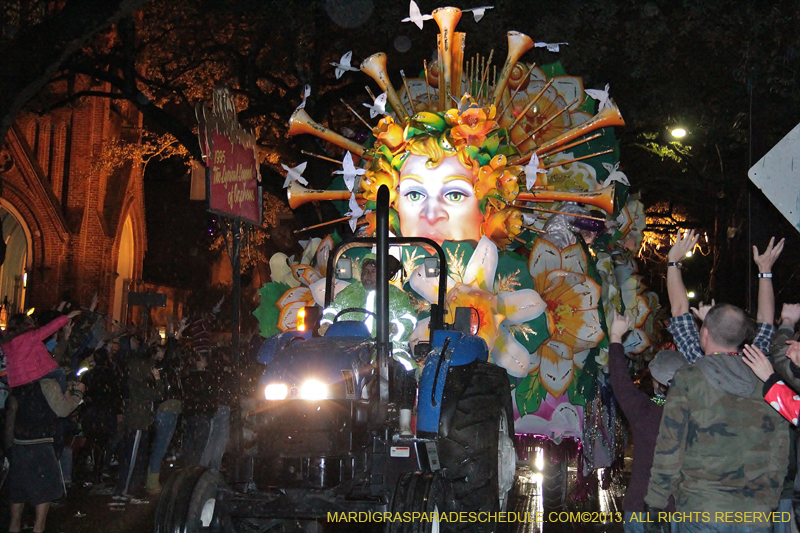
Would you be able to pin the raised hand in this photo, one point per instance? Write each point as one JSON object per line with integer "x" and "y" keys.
{"x": 770, "y": 255}
{"x": 793, "y": 352}
{"x": 790, "y": 315}
{"x": 684, "y": 242}
{"x": 620, "y": 325}
{"x": 758, "y": 362}
{"x": 702, "y": 310}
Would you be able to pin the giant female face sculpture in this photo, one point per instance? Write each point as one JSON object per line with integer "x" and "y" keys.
{"x": 439, "y": 202}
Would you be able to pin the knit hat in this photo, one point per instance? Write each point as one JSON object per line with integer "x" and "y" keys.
{"x": 665, "y": 364}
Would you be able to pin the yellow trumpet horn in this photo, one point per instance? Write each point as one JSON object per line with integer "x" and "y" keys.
{"x": 302, "y": 123}
{"x": 608, "y": 117}
{"x": 447, "y": 18}
{"x": 602, "y": 198}
{"x": 375, "y": 67}
{"x": 518, "y": 44}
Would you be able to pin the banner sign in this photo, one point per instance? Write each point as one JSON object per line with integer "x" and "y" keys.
{"x": 232, "y": 170}
{"x": 777, "y": 174}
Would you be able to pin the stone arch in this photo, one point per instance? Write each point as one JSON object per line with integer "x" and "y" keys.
{"x": 19, "y": 257}
{"x": 126, "y": 268}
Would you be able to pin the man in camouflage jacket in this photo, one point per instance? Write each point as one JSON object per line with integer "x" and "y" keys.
{"x": 720, "y": 447}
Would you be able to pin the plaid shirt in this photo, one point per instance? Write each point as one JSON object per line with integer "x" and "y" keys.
{"x": 687, "y": 337}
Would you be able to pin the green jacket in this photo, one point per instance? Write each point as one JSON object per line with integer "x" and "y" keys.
{"x": 402, "y": 315}
{"x": 720, "y": 446}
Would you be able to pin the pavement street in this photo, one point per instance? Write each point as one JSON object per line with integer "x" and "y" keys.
{"x": 86, "y": 510}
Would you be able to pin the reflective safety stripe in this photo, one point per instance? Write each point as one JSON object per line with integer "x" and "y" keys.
{"x": 370, "y": 306}
{"x": 411, "y": 319}
{"x": 405, "y": 359}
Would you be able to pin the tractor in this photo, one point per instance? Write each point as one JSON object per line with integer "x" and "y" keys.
{"x": 327, "y": 446}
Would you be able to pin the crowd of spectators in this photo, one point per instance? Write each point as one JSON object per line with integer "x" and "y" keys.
{"x": 714, "y": 447}
{"x": 82, "y": 397}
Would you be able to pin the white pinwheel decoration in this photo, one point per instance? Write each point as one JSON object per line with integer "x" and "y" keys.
{"x": 614, "y": 174}
{"x": 478, "y": 12}
{"x": 355, "y": 212}
{"x": 379, "y": 107}
{"x": 532, "y": 169}
{"x": 306, "y": 94}
{"x": 349, "y": 172}
{"x": 415, "y": 16}
{"x": 344, "y": 65}
{"x": 601, "y": 96}
{"x": 551, "y": 47}
{"x": 295, "y": 174}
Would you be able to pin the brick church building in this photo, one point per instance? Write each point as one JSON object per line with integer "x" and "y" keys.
{"x": 72, "y": 229}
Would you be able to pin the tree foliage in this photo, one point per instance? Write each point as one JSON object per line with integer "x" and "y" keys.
{"x": 724, "y": 70}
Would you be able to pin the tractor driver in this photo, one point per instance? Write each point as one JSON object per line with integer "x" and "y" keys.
{"x": 402, "y": 318}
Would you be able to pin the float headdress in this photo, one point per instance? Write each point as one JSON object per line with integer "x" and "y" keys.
{"x": 504, "y": 127}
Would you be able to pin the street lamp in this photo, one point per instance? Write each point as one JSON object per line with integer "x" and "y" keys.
{"x": 678, "y": 132}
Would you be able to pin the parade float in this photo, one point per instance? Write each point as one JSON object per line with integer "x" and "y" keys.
{"x": 514, "y": 170}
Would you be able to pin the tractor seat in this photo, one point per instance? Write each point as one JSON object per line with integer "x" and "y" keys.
{"x": 348, "y": 328}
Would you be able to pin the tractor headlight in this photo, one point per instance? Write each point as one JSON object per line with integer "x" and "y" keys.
{"x": 276, "y": 391}
{"x": 311, "y": 389}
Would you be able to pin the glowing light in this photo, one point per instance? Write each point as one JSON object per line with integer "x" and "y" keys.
{"x": 689, "y": 253}
{"x": 690, "y": 294}
{"x": 82, "y": 370}
{"x": 301, "y": 319}
{"x": 30, "y": 311}
{"x": 311, "y": 389}
{"x": 538, "y": 462}
{"x": 276, "y": 391}
{"x": 679, "y": 133}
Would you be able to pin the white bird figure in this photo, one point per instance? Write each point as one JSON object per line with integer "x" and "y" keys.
{"x": 532, "y": 170}
{"x": 355, "y": 212}
{"x": 478, "y": 12}
{"x": 344, "y": 65}
{"x": 349, "y": 172}
{"x": 295, "y": 174}
{"x": 306, "y": 94}
{"x": 551, "y": 47}
{"x": 379, "y": 107}
{"x": 415, "y": 16}
{"x": 601, "y": 96}
{"x": 614, "y": 174}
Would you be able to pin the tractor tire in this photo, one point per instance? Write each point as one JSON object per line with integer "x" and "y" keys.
{"x": 417, "y": 492}
{"x": 555, "y": 481}
{"x": 478, "y": 441}
{"x": 187, "y": 502}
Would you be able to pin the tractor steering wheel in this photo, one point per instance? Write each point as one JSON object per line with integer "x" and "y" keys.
{"x": 353, "y": 310}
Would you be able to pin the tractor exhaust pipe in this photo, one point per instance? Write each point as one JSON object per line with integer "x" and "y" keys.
{"x": 384, "y": 346}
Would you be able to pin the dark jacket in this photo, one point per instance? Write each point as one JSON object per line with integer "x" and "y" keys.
{"x": 200, "y": 394}
{"x": 644, "y": 417}
{"x": 144, "y": 390}
{"x": 39, "y": 405}
{"x": 103, "y": 389}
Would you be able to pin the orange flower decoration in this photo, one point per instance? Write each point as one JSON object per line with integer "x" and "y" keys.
{"x": 484, "y": 302}
{"x": 471, "y": 126}
{"x": 498, "y": 178}
{"x": 390, "y": 135}
{"x": 503, "y": 226}
{"x": 380, "y": 173}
